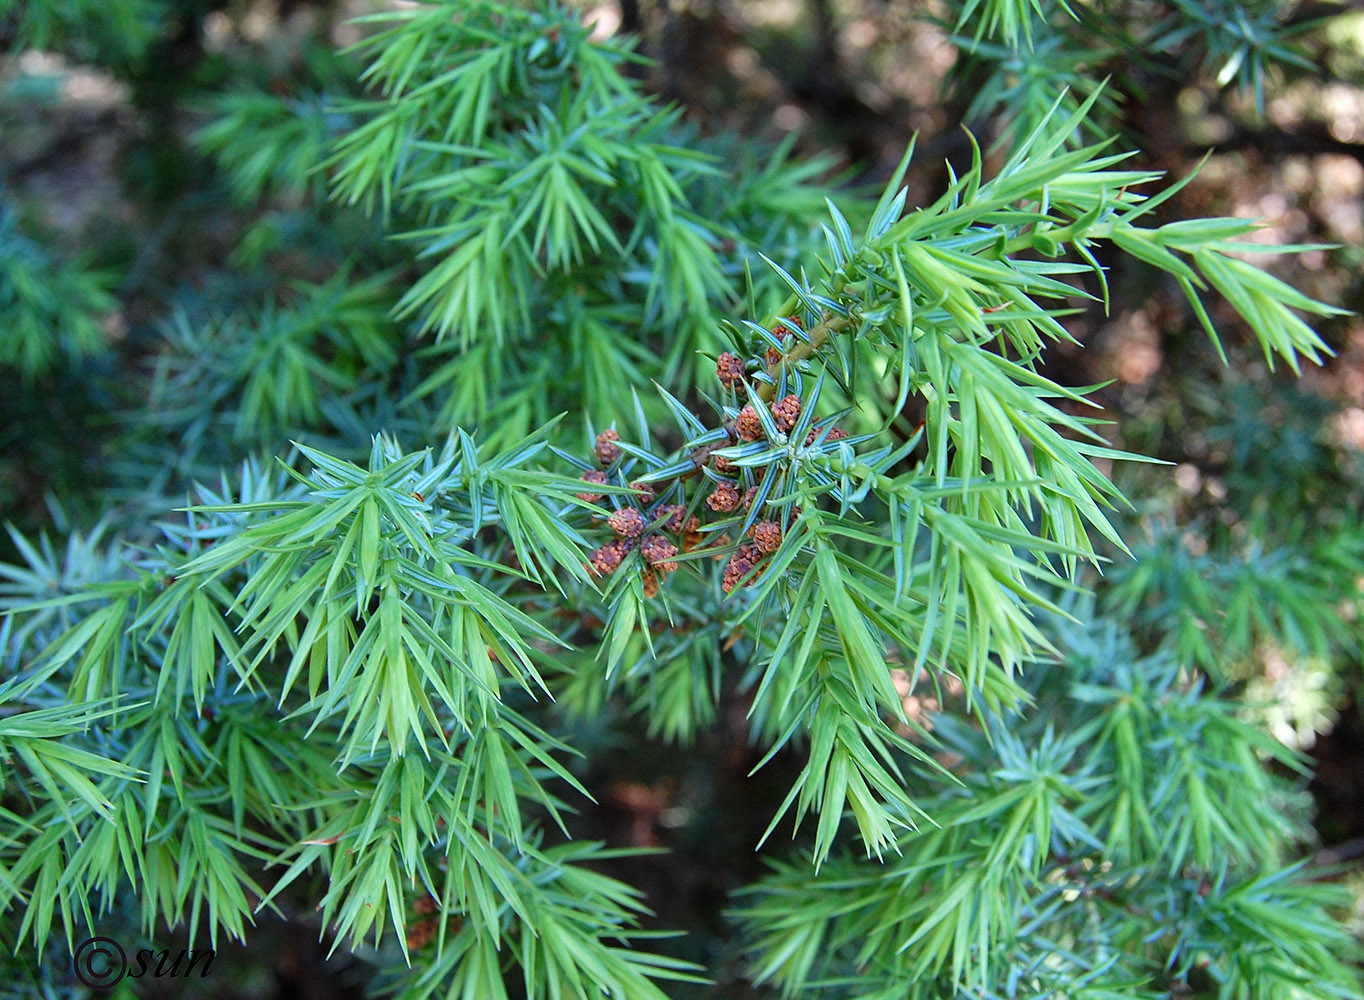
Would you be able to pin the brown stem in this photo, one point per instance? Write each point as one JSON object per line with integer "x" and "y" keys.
{"x": 800, "y": 352}
{"x": 702, "y": 454}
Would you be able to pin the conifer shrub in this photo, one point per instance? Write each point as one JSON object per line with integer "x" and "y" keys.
{"x": 529, "y": 407}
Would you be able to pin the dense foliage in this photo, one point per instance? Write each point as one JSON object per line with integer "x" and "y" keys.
{"x": 593, "y": 416}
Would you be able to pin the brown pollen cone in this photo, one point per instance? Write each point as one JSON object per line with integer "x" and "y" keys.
{"x": 606, "y": 559}
{"x": 730, "y": 369}
{"x": 739, "y": 565}
{"x": 650, "y": 579}
{"x": 767, "y": 536}
{"x": 837, "y": 434}
{"x": 592, "y": 476}
{"x": 419, "y": 934}
{"x": 606, "y": 449}
{"x": 692, "y": 537}
{"x": 627, "y": 522}
{"x": 658, "y": 552}
{"x": 724, "y": 499}
{"x": 747, "y": 425}
{"x": 676, "y": 515}
{"x": 785, "y": 412}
